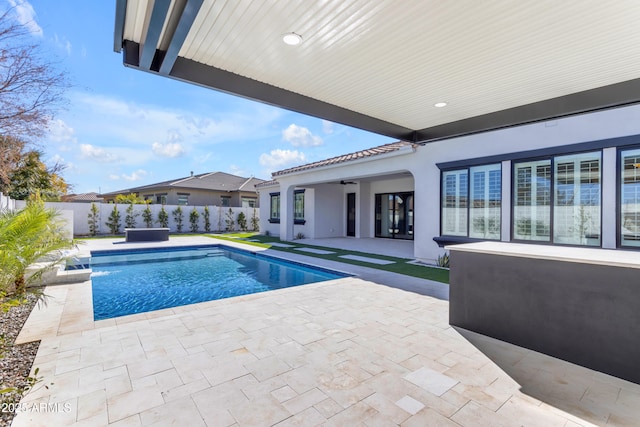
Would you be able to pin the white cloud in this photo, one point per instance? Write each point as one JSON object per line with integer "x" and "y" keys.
{"x": 61, "y": 133}
{"x": 300, "y": 136}
{"x": 26, "y": 15}
{"x": 62, "y": 43}
{"x": 135, "y": 175}
{"x": 89, "y": 152}
{"x": 277, "y": 158}
{"x": 237, "y": 170}
{"x": 327, "y": 127}
{"x": 169, "y": 149}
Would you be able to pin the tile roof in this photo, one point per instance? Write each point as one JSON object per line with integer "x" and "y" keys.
{"x": 83, "y": 197}
{"x": 369, "y": 152}
{"x": 206, "y": 181}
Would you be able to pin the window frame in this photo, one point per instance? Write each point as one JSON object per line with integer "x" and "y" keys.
{"x": 300, "y": 219}
{"x": 619, "y": 196}
{"x": 272, "y": 218}
{"x": 186, "y": 201}
{"x": 469, "y": 201}
{"x": 225, "y": 199}
{"x": 551, "y": 157}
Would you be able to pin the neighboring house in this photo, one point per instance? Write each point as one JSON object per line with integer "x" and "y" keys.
{"x": 570, "y": 181}
{"x": 83, "y": 198}
{"x": 215, "y": 188}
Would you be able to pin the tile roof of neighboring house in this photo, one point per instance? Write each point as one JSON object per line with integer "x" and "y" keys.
{"x": 83, "y": 197}
{"x": 267, "y": 183}
{"x": 369, "y": 152}
{"x": 206, "y": 181}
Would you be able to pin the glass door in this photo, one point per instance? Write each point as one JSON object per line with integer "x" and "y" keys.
{"x": 394, "y": 215}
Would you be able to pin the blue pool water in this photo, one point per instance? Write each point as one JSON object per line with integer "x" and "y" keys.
{"x": 139, "y": 281}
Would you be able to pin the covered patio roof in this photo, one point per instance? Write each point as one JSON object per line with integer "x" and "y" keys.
{"x": 383, "y": 66}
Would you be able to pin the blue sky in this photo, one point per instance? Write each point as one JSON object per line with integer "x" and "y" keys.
{"x": 123, "y": 128}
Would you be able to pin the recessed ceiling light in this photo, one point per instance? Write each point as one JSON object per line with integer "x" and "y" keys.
{"x": 440, "y": 104}
{"x": 292, "y": 39}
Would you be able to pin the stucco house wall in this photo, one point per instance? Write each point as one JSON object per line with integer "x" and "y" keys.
{"x": 417, "y": 170}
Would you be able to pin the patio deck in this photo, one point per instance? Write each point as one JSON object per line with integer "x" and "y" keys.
{"x": 342, "y": 352}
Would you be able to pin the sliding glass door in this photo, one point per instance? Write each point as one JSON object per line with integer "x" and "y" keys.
{"x": 394, "y": 215}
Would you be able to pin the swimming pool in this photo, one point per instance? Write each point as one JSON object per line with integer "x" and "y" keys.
{"x": 136, "y": 281}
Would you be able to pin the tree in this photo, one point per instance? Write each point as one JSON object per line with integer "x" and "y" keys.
{"x": 242, "y": 221}
{"x": 194, "y": 216}
{"x": 207, "y": 219}
{"x": 163, "y": 218}
{"x": 93, "y": 219}
{"x": 26, "y": 236}
{"x": 131, "y": 198}
{"x": 113, "y": 222}
{"x": 31, "y": 89}
{"x": 178, "y": 218}
{"x": 255, "y": 221}
{"x": 130, "y": 218}
{"x": 31, "y": 175}
{"x": 229, "y": 221}
{"x": 147, "y": 217}
{"x": 10, "y": 153}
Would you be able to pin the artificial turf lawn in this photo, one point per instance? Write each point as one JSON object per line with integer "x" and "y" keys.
{"x": 400, "y": 264}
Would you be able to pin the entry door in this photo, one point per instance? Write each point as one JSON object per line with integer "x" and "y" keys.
{"x": 351, "y": 214}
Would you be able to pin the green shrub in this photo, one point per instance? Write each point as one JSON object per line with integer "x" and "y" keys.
{"x": 207, "y": 219}
{"x": 113, "y": 222}
{"x": 178, "y": 217}
{"x": 255, "y": 221}
{"x": 93, "y": 218}
{"x": 443, "y": 260}
{"x": 26, "y": 237}
{"x": 194, "y": 216}
{"x": 147, "y": 217}
{"x": 242, "y": 221}
{"x": 229, "y": 221}
{"x": 163, "y": 218}
{"x": 130, "y": 218}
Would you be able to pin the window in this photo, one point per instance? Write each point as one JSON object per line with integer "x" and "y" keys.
{"x": 298, "y": 207}
{"x": 630, "y": 198}
{"x": 183, "y": 199}
{"x": 558, "y": 200}
{"x": 454, "y": 202}
{"x": 471, "y": 202}
{"x": 486, "y": 202}
{"x": 225, "y": 201}
{"x": 576, "y": 214}
{"x": 248, "y": 202}
{"x": 161, "y": 199}
{"x": 532, "y": 194}
{"x": 274, "y": 212}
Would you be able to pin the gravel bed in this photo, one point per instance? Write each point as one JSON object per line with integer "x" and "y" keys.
{"x": 15, "y": 360}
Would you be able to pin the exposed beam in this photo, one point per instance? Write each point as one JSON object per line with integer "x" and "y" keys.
{"x": 187, "y": 17}
{"x": 154, "y": 21}
{"x": 118, "y": 31}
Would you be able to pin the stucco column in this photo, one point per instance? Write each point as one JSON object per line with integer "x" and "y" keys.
{"x": 286, "y": 211}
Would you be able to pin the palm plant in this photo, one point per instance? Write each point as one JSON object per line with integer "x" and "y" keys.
{"x": 33, "y": 234}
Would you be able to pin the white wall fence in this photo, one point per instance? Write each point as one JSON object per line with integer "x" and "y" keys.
{"x": 78, "y": 214}
{"x": 6, "y": 203}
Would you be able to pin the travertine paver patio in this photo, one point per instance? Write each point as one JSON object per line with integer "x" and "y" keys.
{"x": 338, "y": 353}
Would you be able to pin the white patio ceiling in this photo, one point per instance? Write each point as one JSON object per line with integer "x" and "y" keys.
{"x": 382, "y": 65}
